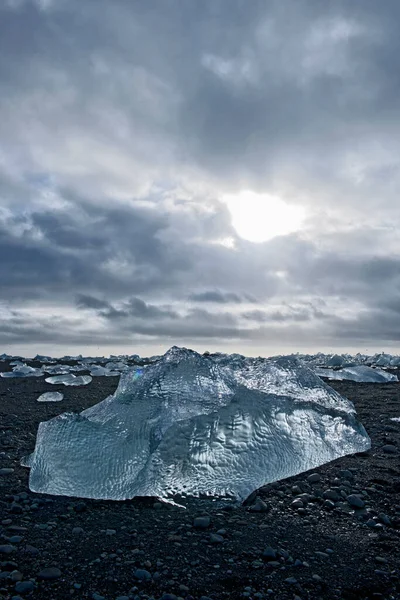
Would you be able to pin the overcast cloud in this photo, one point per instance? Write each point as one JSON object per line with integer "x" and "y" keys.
{"x": 126, "y": 125}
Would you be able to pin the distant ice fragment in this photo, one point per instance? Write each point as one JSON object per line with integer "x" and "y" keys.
{"x": 360, "y": 373}
{"x": 336, "y": 361}
{"x": 22, "y": 370}
{"x": 51, "y": 397}
{"x": 69, "y": 379}
{"x": 191, "y": 424}
{"x": 98, "y": 371}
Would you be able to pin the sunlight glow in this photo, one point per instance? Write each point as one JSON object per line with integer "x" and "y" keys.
{"x": 261, "y": 217}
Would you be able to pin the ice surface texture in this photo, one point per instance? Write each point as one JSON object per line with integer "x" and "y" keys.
{"x": 192, "y": 424}
{"x": 360, "y": 373}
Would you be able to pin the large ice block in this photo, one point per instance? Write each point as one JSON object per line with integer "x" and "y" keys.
{"x": 192, "y": 424}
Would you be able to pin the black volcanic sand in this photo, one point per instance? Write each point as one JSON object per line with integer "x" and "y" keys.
{"x": 270, "y": 548}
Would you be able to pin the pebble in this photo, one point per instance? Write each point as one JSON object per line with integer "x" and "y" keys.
{"x": 6, "y": 471}
{"x": 346, "y": 474}
{"x": 23, "y": 587}
{"x": 331, "y": 495}
{"x": 389, "y": 449}
{"x": 201, "y": 522}
{"x": 97, "y": 596}
{"x": 259, "y": 506}
{"x": 31, "y": 549}
{"x": 15, "y": 539}
{"x": 385, "y": 519}
{"x": 50, "y": 573}
{"x": 291, "y": 580}
{"x": 314, "y": 478}
{"x": 269, "y": 553}
{"x": 355, "y": 501}
{"x": 77, "y": 530}
{"x": 216, "y": 539}
{"x": 297, "y": 503}
{"x": 142, "y": 575}
{"x": 6, "y": 549}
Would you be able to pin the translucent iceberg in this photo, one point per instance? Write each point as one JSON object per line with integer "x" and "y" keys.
{"x": 192, "y": 425}
{"x": 359, "y": 373}
{"x": 51, "y": 397}
{"x": 69, "y": 379}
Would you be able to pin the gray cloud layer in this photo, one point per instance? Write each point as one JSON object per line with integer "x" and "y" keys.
{"x": 125, "y": 123}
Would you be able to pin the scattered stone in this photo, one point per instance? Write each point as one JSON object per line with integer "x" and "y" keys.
{"x": 50, "y": 573}
{"x": 77, "y": 530}
{"x": 23, "y": 587}
{"x": 389, "y": 449}
{"x": 216, "y": 539}
{"x": 269, "y": 553}
{"x": 331, "y": 495}
{"x": 142, "y": 575}
{"x": 259, "y": 506}
{"x": 346, "y": 474}
{"x": 355, "y": 501}
{"x": 6, "y": 471}
{"x": 7, "y": 549}
{"x": 31, "y": 549}
{"x": 201, "y": 522}
{"x": 314, "y": 478}
{"x": 15, "y": 539}
{"x": 385, "y": 519}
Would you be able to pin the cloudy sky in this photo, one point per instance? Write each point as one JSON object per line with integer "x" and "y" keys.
{"x": 219, "y": 174}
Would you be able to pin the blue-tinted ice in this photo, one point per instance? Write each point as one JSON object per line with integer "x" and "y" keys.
{"x": 193, "y": 424}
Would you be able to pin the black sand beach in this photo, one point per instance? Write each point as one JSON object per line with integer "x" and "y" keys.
{"x": 298, "y": 539}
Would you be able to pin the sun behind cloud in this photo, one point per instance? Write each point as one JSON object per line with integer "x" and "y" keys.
{"x": 261, "y": 217}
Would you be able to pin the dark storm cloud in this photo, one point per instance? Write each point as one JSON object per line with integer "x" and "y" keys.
{"x": 84, "y": 301}
{"x": 216, "y": 296}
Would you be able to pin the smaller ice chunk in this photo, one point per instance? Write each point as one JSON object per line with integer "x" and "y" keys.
{"x": 51, "y": 397}
{"x": 336, "y": 361}
{"x": 57, "y": 369}
{"x": 117, "y": 366}
{"x": 397, "y": 419}
{"x": 98, "y": 371}
{"x": 359, "y": 373}
{"x": 22, "y": 370}
{"x": 69, "y": 379}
